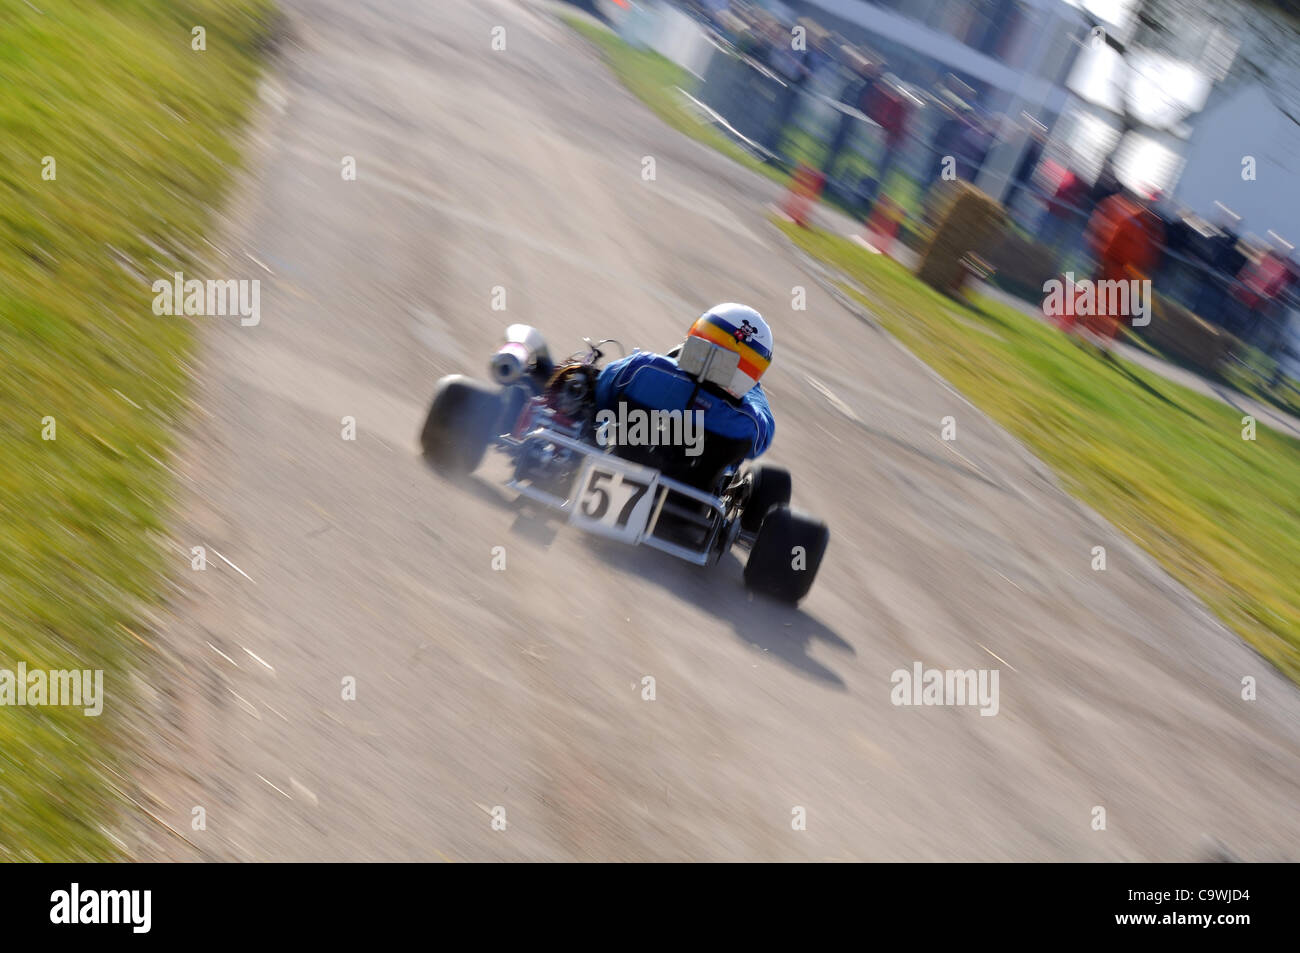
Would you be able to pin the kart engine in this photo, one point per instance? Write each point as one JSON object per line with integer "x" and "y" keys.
{"x": 571, "y": 393}
{"x": 570, "y": 396}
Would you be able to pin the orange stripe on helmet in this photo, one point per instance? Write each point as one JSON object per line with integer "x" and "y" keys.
{"x": 751, "y": 362}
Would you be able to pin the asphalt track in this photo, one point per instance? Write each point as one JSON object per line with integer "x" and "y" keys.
{"x": 522, "y": 689}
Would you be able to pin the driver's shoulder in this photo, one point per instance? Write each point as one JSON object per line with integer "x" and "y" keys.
{"x": 638, "y": 359}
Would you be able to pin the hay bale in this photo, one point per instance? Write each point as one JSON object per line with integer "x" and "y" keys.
{"x": 1022, "y": 265}
{"x": 1176, "y": 331}
{"x": 969, "y": 222}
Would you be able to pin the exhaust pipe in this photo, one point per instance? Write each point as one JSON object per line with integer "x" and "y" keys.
{"x": 523, "y": 351}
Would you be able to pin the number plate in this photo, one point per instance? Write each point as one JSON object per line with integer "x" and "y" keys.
{"x": 614, "y": 498}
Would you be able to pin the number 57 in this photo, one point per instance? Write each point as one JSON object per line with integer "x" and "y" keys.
{"x": 595, "y": 502}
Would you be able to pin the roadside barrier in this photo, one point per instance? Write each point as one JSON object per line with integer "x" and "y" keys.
{"x": 805, "y": 189}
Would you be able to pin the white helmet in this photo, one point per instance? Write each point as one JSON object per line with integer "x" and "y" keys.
{"x": 738, "y": 328}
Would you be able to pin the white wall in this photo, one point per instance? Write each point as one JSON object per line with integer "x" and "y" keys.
{"x": 1245, "y": 124}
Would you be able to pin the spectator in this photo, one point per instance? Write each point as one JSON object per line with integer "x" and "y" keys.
{"x": 792, "y": 66}
{"x": 1178, "y": 234}
{"x": 1022, "y": 178}
{"x": 1263, "y": 282}
{"x": 887, "y": 107}
{"x": 821, "y": 55}
{"x": 1226, "y": 256}
{"x": 857, "y": 93}
{"x": 973, "y": 146}
{"x": 1179, "y": 274}
{"x": 1066, "y": 213}
{"x": 1107, "y": 183}
{"x": 756, "y": 40}
{"x": 1223, "y": 260}
{"x": 945, "y": 144}
{"x": 1125, "y": 237}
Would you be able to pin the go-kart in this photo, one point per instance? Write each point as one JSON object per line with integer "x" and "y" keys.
{"x": 542, "y": 415}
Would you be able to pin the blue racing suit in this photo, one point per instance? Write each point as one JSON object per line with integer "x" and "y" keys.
{"x": 655, "y": 382}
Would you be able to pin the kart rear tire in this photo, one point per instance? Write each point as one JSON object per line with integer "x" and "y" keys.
{"x": 770, "y": 569}
{"x": 463, "y": 419}
{"x": 769, "y": 487}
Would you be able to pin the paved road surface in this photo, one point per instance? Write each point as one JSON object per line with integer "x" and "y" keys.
{"x": 522, "y": 170}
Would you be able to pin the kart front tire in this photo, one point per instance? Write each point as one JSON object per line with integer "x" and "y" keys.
{"x": 784, "y": 559}
{"x": 463, "y": 419}
{"x": 769, "y": 487}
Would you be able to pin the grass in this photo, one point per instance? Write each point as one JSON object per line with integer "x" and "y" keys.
{"x": 143, "y": 131}
{"x": 1166, "y": 465}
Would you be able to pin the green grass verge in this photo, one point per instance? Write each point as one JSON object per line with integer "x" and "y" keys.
{"x": 1166, "y": 465}
{"x": 143, "y": 131}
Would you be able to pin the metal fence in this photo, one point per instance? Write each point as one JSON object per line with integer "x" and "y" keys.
{"x": 788, "y": 124}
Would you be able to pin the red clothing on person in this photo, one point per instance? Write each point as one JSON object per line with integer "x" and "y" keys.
{"x": 1070, "y": 191}
{"x": 886, "y": 107}
{"x": 1126, "y": 239}
{"x": 1262, "y": 280}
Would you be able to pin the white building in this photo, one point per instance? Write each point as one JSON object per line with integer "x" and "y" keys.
{"x": 1244, "y": 153}
{"x": 1004, "y": 49}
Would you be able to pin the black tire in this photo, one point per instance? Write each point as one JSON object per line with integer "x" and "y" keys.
{"x": 770, "y": 569}
{"x": 770, "y": 486}
{"x": 463, "y": 419}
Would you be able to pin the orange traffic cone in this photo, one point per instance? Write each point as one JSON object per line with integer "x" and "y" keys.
{"x": 805, "y": 189}
{"x": 881, "y": 227}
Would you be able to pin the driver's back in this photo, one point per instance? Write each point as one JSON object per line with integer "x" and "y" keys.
{"x": 732, "y": 430}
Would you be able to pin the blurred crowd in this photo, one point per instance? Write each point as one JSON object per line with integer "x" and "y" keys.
{"x": 858, "y": 79}
{"x": 1245, "y": 285}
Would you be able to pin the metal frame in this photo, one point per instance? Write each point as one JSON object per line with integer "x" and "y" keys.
{"x": 701, "y": 557}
